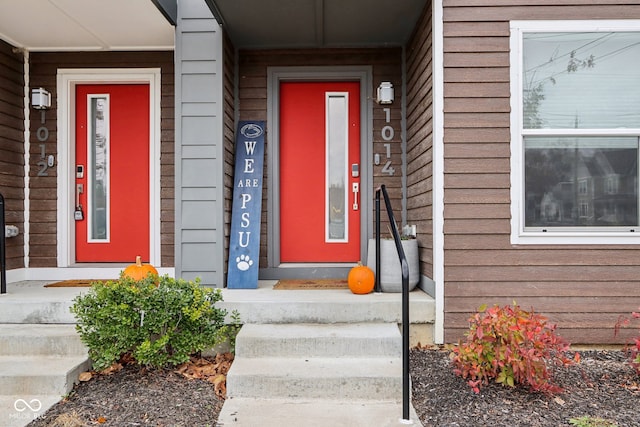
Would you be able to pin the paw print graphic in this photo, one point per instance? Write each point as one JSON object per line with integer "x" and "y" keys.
{"x": 244, "y": 262}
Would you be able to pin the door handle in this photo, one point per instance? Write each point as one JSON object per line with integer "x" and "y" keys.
{"x": 79, "y": 191}
{"x": 356, "y": 189}
{"x": 78, "y": 215}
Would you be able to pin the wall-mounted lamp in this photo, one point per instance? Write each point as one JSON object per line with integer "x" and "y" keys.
{"x": 385, "y": 93}
{"x": 40, "y": 99}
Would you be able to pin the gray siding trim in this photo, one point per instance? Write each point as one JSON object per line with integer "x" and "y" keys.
{"x": 168, "y": 8}
{"x": 275, "y": 75}
{"x": 199, "y": 154}
{"x": 427, "y": 285}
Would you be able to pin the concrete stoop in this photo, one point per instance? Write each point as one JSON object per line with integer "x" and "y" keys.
{"x": 38, "y": 365}
{"x": 249, "y": 412}
{"x": 316, "y": 375}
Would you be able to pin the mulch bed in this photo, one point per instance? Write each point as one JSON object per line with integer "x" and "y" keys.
{"x": 603, "y": 386}
{"x": 136, "y": 396}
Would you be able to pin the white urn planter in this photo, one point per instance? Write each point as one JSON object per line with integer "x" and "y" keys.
{"x": 390, "y": 271}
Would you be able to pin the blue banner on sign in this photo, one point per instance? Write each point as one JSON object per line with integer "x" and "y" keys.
{"x": 244, "y": 244}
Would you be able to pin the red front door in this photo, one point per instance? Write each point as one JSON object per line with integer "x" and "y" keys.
{"x": 112, "y": 173}
{"x": 319, "y": 172}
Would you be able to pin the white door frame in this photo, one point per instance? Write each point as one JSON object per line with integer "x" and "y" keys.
{"x": 67, "y": 79}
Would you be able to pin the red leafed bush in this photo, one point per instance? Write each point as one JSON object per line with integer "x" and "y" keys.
{"x": 512, "y": 346}
{"x": 634, "y": 347}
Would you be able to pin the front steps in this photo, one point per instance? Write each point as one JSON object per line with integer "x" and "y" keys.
{"x": 31, "y": 303}
{"x": 315, "y": 374}
{"x": 38, "y": 365}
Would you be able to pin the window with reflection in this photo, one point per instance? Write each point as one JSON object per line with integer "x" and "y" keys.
{"x": 579, "y": 129}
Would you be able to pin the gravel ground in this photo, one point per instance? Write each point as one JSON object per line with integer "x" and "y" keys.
{"x": 602, "y": 386}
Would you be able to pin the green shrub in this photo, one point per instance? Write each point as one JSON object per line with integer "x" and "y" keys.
{"x": 512, "y": 346}
{"x": 159, "y": 325}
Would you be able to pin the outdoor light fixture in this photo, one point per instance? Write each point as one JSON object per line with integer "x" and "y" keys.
{"x": 385, "y": 93}
{"x": 40, "y": 99}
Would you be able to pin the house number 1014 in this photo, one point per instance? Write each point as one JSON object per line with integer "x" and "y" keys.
{"x": 387, "y": 134}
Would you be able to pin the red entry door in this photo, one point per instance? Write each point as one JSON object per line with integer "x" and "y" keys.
{"x": 112, "y": 173}
{"x": 319, "y": 172}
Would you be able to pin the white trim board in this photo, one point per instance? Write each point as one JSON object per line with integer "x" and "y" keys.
{"x": 438, "y": 168}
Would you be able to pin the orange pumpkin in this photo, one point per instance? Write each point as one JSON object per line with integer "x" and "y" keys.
{"x": 361, "y": 279}
{"x": 139, "y": 271}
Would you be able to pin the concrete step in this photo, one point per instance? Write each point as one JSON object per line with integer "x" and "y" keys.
{"x": 28, "y": 339}
{"x": 316, "y": 377}
{"x": 265, "y": 305}
{"x": 326, "y": 340}
{"x": 31, "y": 302}
{"x": 20, "y": 410}
{"x": 244, "y": 412}
{"x": 43, "y": 375}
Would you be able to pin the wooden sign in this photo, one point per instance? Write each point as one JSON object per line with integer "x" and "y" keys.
{"x": 244, "y": 245}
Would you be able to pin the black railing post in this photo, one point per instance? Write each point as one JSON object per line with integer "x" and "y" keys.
{"x": 404, "y": 266}
{"x": 378, "y": 286}
{"x": 3, "y": 258}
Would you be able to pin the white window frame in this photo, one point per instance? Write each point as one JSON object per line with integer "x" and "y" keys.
{"x": 90, "y": 172}
{"x": 520, "y": 236}
{"x": 347, "y": 192}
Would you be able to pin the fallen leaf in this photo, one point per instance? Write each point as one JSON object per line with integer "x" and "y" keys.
{"x": 559, "y": 401}
{"x": 85, "y": 376}
{"x": 127, "y": 359}
{"x": 102, "y": 420}
{"x": 213, "y": 371}
{"x": 220, "y": 385}
{"x": 116, "y": 367}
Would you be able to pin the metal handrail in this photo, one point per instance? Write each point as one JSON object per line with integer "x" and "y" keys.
{"x": 405, "y": 293}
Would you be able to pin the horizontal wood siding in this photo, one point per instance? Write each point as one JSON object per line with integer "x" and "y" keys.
{"x": 386, "y": 64}
{"x": 12, "y": 149}
{"x": 43, "y": 71}
{"x": 582, "y": 288}
{"x": 229, "y": 138}
{"x": 419, "y": 121}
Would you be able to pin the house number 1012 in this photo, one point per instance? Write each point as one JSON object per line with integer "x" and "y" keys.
{"x": 45, "y": 162}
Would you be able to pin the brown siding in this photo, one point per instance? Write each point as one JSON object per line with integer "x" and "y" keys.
{"x": 43, "y": 71}
{"x": 229, "y": 139}
{"x": 12, "y": 149}
{"x": 386, "y": 64}
{"x": 582, "y": 288}
{"x": 420, "y": 138}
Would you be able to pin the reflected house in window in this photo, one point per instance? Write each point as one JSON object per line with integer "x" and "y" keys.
{"x": 602, "y": 192}
{"x": 615, "y": 200}
{"x": 337, "y": 212}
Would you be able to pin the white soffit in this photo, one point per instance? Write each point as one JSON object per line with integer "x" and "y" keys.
{"x": 67, "y": 25}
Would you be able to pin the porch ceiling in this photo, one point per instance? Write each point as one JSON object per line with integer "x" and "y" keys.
{"x": 63, "y": 25}
{"x": 317, "y": 23}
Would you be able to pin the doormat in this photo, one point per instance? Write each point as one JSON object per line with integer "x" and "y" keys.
{"x": 298, "y": 284}
{"x": 78, "y": 283}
